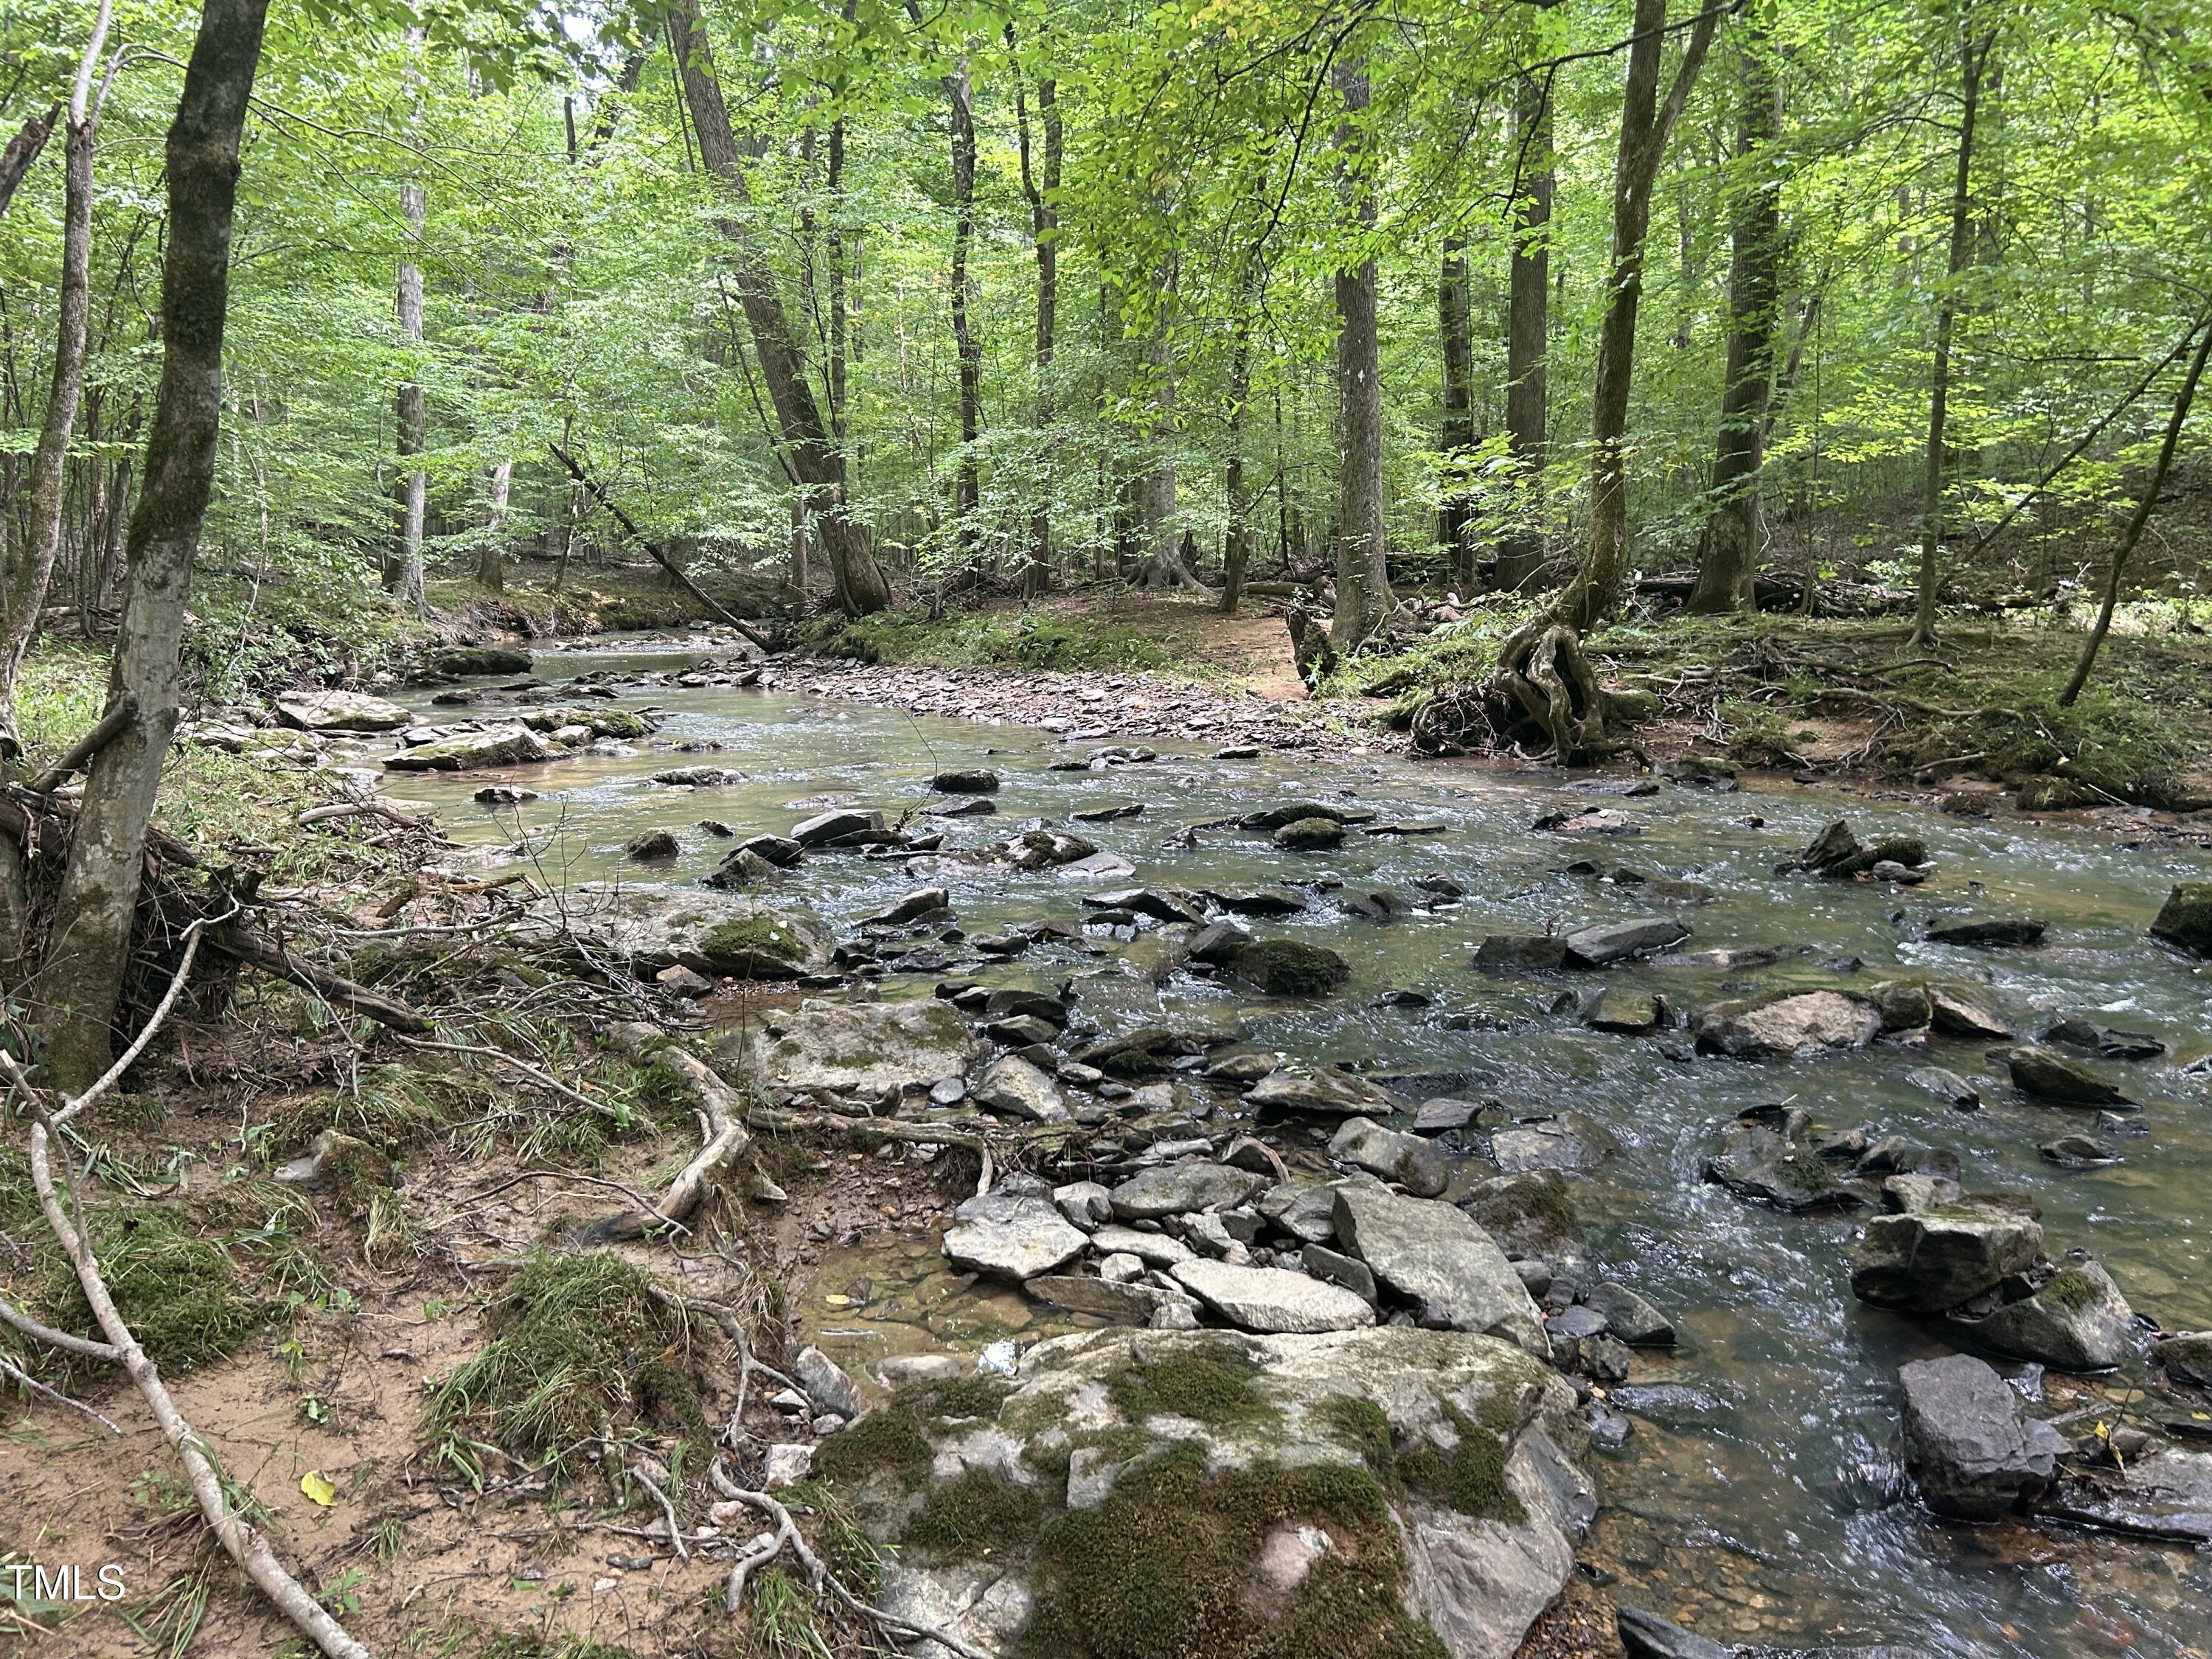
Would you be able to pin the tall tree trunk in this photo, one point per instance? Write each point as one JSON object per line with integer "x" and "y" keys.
{"x": 813, "y": 453}
{"x": 1455, "y": 435}
{"x": 498, "y": 487}
{"x": 1236, "y": 544}
{"x": 1156, "y": 489}
{"x": 1646, "y": 123}
{"x": 968, "y": 349}
{"x": 1363, "y": 574}
{"x": 834, "y": 189}
{"x": 1729, "y": 560}
{"x": 23, "y": 594}
{"x": 2118, "y": 568}
{"x": 22, "y": 150}
{"x": 1040, "y": 186}
{"x": 83, "y": 978}
{"x": 1527, "y": 330}
{"x": 1974, "y": 60}
{"x": 403, "y": 571}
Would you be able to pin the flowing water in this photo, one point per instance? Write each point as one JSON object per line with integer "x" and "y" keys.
{"x": 1757, "y": 1499}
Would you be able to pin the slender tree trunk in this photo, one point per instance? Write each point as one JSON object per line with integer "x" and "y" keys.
{"x": 27, "y": 574}
{"x": 1974, "y": 60}
{"x": 1730, "y": 561}
{"x": 403, "y": 572}
{"x": 1646, "y": 123}
{"x": 22, "y": 150}
{"x": 834, "y": 189}
{"x": 2118, "y": 568}
{"x": 83, "y": 974}
{"x": 1455, "y": 435}
{"x": 1236, "y": 544}
{"x": 1363, "y": 575}
{"x": 1041, "y": 187}
{"x": 498, "y": 487}
{"x": 1156, "y": 489}
{"x": 968, "y": 349}
{"x": 1527, "y": 330}
{"x": 813, "y": 453}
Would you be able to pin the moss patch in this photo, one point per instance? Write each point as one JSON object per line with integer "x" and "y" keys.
{"x": 886, "y": 1441}
{"x": 981, "y": 1514}
{"x": 1471, "y": 1476}
{"x": 1163, "y": 1570}
{"x": 1365, "y": 1424}
{"x": 584, "y": 1349}
{"x": 754, "y": 946}
{"x": 173, "y": 1288}
{"x": 1212, "y": 1386}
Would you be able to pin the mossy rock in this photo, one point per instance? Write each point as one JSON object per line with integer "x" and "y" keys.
{"x": 175, "y": 1290}
{"x": 2185, "y": 918}
{"x": 763, "y": 945}
{"x": 1291, "y": 968}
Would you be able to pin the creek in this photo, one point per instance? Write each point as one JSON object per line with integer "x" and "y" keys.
{"x": 1760, "y": 1498}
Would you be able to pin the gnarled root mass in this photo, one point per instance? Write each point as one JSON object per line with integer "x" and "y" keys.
{"x": 1542, "y": 695}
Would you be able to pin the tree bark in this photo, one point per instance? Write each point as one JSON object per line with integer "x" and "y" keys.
{"x": 1646, "y": 123}
{"x": 1734, "y": 533}
{"x": 813, "y": 453}
{"x": 83, "y": 976}
{"x": 1363, "y": 575}
{"x": 1456, "y": 433}
{"x": 1236, "y": 544}
{"x": 403, "y": 571}
{"x": 22, "y": 150}
{"x": 23, "y": 594}
{"x": 1527, "y": 330}
{"x": 2121, "y": 554}
{"x": 1041, "y": 187}
{"x": 968, "y": 349}
{"x": 498, "y": 487}
{"x": 1156, "y": 489}
{"x": 1974, "y": 60}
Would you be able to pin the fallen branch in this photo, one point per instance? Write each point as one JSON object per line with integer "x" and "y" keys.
{"x": 56, "y": 1394}
{"x": 726, "y": 1136}
{"x": 78, "y": 756}
{"x": 271, "y": 958}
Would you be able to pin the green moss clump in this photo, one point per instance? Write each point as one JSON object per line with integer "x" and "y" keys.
{"x": 1214, "y": 1386}
{"x": 752, "y": 946}
{"x": 966, "y": 1396}
{"x": 1365, "y": 1424}
{"x": 981, "y": 1514}
{"x": 1031, "y": 639}
{"x": 2068, "y": 1291}
{"x": 1471, "y": 1476}
{"x": 584, "y": 1347}
{"x": 173, "y": 1288}
{"x": 1163, "y": 1569}
{"x": 888, "y": 1440}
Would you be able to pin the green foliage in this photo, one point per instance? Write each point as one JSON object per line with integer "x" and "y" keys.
{"x": 175, "y": 1290}
{"x": 1207, "y": 1388}
{"x": 1031, "y": 639}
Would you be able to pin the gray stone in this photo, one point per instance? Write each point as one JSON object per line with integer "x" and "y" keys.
{"x": 1011, "y": 1087}
{"x": 1956, "y": 1012}
{"x": 469, "y": 751}
{"x": 2103, "y": 1040}
{"x": 1932, "y": 1260}
{"x": 1443, "y": 1114}
{"x": 825, "y": 1382}
{"x": 2186, "y": 919}
{"x": 1606, "y": 943}
{"x": 1974, "y": 1452}
{"x": 1086, "y": 1204}
{"x": 923, "y": 901}
{"x": 1123, "y": 1301}
{"x": 340, "y": 711}
{"x": 1309, "y": 836}
{"x": 1324, "y": 1094}
{"x": 826, "y": 827}
{"x": 1285, "y": 967}
{"x": 2052, "y": 1077}
{"x": 1410, "y": 1162}
{"x": 2080, "y": 1153}
{"x": 1797, "y": 1023}
{"x": 1567, "y": 1141}
{"x": 1630, "y": 1317}
{"x": 1528, "y": 1213}
{"x": 1010, "y": 1237}
{"x": 1442, "y": 1261}
{"x": 2077, "y": 1320}
{"x": 699, "y": 777}
{"x": 1274, "y": 818}
{"x": 2167, "y": 1495}
{"x": 1306, "y": 1210}
{"x": 1269, "y": 1300}
{"x": 1755, "y": 1162}
{"x": 1521, "y": 953}
{"x": 2187, "y": 1358}
{"x": 649, "y": 844}
{"x": 742, "y": 870}
{"x": 1331, "y": 1267}
{"x": 1153, "y": 1250}
{"x": 868, "y": 1048}
{"x": 1624, "y": 1009}
{"x": 1947, "y": 1086}
{"x": 974, "y": 781}
{"x": 651, "y": 928}
{"x": 1217, "y": 942}
{"x": 1176, "y": 1188}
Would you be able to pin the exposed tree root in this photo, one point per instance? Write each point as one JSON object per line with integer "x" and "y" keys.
{"x": 1543, "y": 695}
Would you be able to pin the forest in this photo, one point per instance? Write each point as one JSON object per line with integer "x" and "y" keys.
{"x": 1368, "y": 467}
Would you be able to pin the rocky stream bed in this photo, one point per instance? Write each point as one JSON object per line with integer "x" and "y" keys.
{"x": 1419, "y": 1184}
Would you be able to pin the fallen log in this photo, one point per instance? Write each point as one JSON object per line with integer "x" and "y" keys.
{"x": 255, "y": 951}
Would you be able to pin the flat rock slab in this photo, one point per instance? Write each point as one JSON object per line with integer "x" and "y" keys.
{"x": 1805, "y": 1021}
{"x": 1010, "y": 1237}
{"x": 340, "y": 711}
{"x": 1440, "y": 1259}
{"x": 1606, "y": 943}
{"x": 1934, "y": 1259}
{"x": 2167, "y": 1495}
{"x": 1324, "y": 1094}
{"x": 1271, "y": 1301}
{"x": 869, "y": 1048}
{"x": 1175, "y": 1190}
{"x": 469, "y": 751}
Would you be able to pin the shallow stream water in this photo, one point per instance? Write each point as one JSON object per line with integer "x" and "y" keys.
{"x": 1757, "y": 1500}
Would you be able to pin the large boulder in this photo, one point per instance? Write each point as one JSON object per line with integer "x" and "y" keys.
{"x": 1768, "y": 1165}
{"x": 1324, "y": 1094}
{"x": 2049, "y": 1076}
{"x": 655, "y": 927}
{"x": 2186, "y": 919}
{"x": 1271, "y": 1299}
{"x": 340, "y": 711}
{"x": 1010, "y": 1237}
{"x": 1440, "y": 1259}
{"x": 1606, "y": 943}
{"x": 1180, "y": 1188}
{"x": 2076, "y": 1320}
{"x": 1290, "y": 967}
{"x": 461, "y": 659}
{"x": 1212, "y": 1492}
{"x": 1975, "y": 1453}
{"x": 870, "y": 1049}
{"x": 2187, "y": 1358}
{"x": 1933, "y": 1260}
{"x": 470, "y": 751}
{"x": 1011, "y": 1087}
{"x": 1794, "y": 1023}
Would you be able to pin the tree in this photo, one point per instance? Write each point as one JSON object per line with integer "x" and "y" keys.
{"x": 1363, "y": 599}
{"x": 1455, "y": 433}
{"x": 1527, "y": 330}
{"x": 1040, "y": 186}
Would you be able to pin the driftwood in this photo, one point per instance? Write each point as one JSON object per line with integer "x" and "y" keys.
{"x": 269, "y": 956}
{"x": 726, "y": 1136}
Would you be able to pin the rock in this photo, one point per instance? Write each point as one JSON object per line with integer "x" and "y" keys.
{"x": 1440, "y": 1259}
{"x": 699, "y": 777}
{"x": 651, "y": 928}
{"x": 1305, "y": 1210}
{"x": 1217, "y": 942}
{"x": 502, "y": 794}
{"x": 867, "y": 1049}
{"x": 1521, "y": 953}
{"x": 1794, "y": 1023}
{"x": 1240, "y": 1065}
{"x": 2165, "y": 1495}
{"x": 458, "y": 660}
{"x": 1902, "y": 1003}
{"x": 825, "y": 1382}
{"x": 502, "y": 745}
{"x": 1606, "y": 943}
{"x": 1123, "y": 1301}
{"x": 922, "y": 903}
{"x": 1757, "y": 1162}
{"x": 1932, "y": 1260}
{"x": 1907, "y": 1194}
{"x": 2187, "y": 1358}
{"x": 1269, "y": 1300}
{"x": 740, "y": 871}
{"x": 1274, "y": 818}
{"x": 1334, "y": 1268}
{"x": 1975, "y": 1455}
{"x": 1527, "y": 1214}
{"x": 1011, "y": 1087}
{"x": 1567, "y": 1140}
{"x": 1008, "y": 1238}
{"x": 1630, "y": 1317}
{"x": 2049, "y": 1076}
{"x": 1947, "y": 1086}
{"x": 1647, "y": 1636}
{"x": 1958, "y": 1013}
{"x": 1324, "y": 1094}
{"x": 974, "y": 781}
{"x": 339, "y": 1164}
{"x": 1623, "y": 1009}
{"x": 1283, "y": 967}
{"x": 788, "y": 1465}
{"x": 1153, "y": 1250}
{"x": 683, "y": 981}
{"x": 824, "y": 828}
{"x": 1309, "y": 836}
{"x": 1175, "y": 1189}
{"x": 2104, "y": 1042}
{"x": 340, "y": 711}
{"x": 2077, "y": 1320}
{"x": 1443, "y": 1114}
{"x": 649, "y": 844}
{"x": 1410, "y": 1162}
{"x": 1594, "y": 821}
{"x": 2080, "y": 1153}
{"x": 2186, "y": 919}
{"x": 1988, "y": 933}
{"x": 778, "y": 850}
{"x": 1086, "y": 1204}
